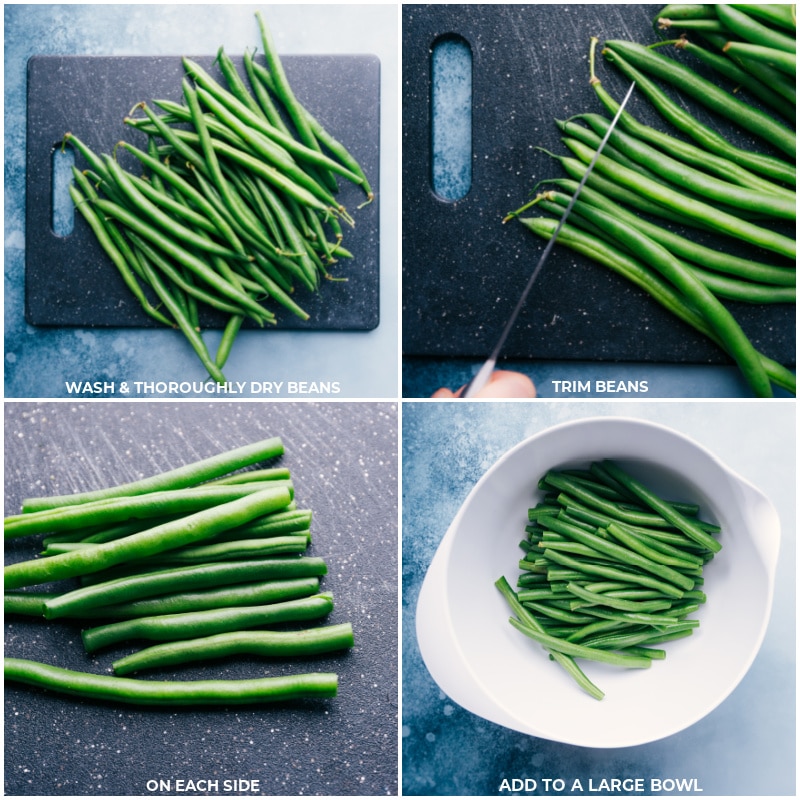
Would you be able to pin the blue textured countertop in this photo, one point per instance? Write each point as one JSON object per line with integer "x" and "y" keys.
{"x": 38, "y": 361}
{"x": 745, "y": 747}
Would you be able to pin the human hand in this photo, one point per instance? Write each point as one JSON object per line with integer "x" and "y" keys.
{"x": 502, "y": 384}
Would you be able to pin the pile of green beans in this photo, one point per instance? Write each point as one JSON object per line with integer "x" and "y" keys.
{"x": 610, "y": 569}
{"x": 654, "y": 189}
{"x": 231, "y": 205}
{"x": 201, "y": 562}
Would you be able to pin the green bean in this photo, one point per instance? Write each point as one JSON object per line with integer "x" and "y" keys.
{"x": 749, "y": 29}
{"x": 101, "y": 232}
{"x": 270, "y": 130}
{"x": 187, "y": 325}
{"x": 276, "y": 179}
{"x": 284, "y": 92}
{"x": 660, "y": 621}
{"x": 94, "y": 161}
{"x": 576, "y": 169}
{"x": 688, "y": 526}
{"x": 342, "y": 154}
{"x": 32, "y": 603}
{"x": 275, "y": 291}
{"x": 527, "y": 619}
{"x": 780, "y": 60}
{"x": 768, "y": 76}
{"x": 691, "y": 154}
{"x": 104, "y": 510}
{"x": 176, "y": 579}
{"x": 565, "y": 484}
{"x": 686, "y": 248}
{"x": 780, "y": 14}
{"x": 707, "y": 93}
{"x": 177, "y": 206}
{"x": 633, "y": 270}
{"x": 709, "y": 215}
{"x": 141, "y": 204}
{"x": 168, "y": 536}
{"x": 614, "y": 573}
{"x": 247, "y": 476}
{"x": 580, "y": 651}
{"x": 183, "y": 256}
{"x": 717, "y": 315}
{"x": 206, "y": 553}
{"x": 195, "y": 197}
{"x": 593, "y": 598}
{"x": 272, "y": 644}
{"x": 774, "y": 168}
{"x": 685, "y": 11}
{"x": 178, "y": 279}
{"x": 235, "y": 83}
{"x": 169, "y": 693}
{"x": 734, "y": 289}
{"x": 245, "y": 223}
{"x": 262, "y": 96}
{"x": 621, "y": 555}
{"x": 736, "y": 72}
{"x": 721, "y": 286}
{"x": 196, "y": 624}
{"x": 649, "y": 545}
{"x": 691, "y": 25}
{"x": 781, "y": 206}
{"x": 266, "y": 148}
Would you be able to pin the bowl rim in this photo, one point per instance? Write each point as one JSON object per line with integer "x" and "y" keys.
{"x": 445, "y": 552}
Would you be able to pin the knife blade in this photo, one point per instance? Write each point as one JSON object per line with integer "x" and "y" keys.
{"x": 481, "y": 377}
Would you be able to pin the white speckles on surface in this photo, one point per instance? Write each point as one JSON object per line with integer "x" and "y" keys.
{"x": 344, "y": 747}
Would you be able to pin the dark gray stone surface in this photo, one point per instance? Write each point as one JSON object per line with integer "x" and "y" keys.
{"x": 343, "y": 459}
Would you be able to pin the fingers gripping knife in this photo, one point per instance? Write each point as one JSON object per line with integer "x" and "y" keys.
{"x": 482, "y": 376}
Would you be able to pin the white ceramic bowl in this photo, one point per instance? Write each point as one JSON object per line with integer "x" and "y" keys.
{"x": 492, "y": 670}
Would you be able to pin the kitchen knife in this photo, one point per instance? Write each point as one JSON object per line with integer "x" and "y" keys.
{"x": 481, "y": 378}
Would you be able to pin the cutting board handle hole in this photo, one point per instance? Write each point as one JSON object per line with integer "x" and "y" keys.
{"x": 451, "y": 117}
{"x": 62, "y": 219}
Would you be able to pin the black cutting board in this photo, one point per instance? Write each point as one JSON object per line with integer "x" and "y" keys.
{"x": 68, "y": 279}
{"x": 462, "y": 269}
{"x": 57, "y": 745}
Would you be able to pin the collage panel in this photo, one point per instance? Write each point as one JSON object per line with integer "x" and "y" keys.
{"x": 632, "y": 135}
{"x": 233, "y": 637}
{"x": 498, "y": 553}
{"x": 399, "y": 400}
{"x": 245, "y": 231}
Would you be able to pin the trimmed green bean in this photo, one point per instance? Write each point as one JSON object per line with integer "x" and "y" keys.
{"x": 526, "y": 618}
{"x": 180, "y": 579}
{"x": 169, "y": 693}
{"x": 271, "y": 644}
{"x": 153, "y": 504}
{"x": 191, "y": 474}
{"x": 196, "y": 624}
{"x": 580, "y": 651}
{"x": 168, "y": 536}
{"x": 687, "y": 525}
